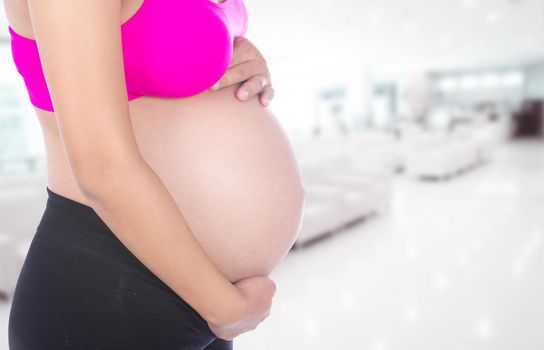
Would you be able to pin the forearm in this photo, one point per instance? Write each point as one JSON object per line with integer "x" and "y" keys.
{"x": 137, "y": 207}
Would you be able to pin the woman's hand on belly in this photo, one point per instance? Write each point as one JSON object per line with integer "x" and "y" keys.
{"x": 256, "y": 294}
{"x": 249, "y": 67}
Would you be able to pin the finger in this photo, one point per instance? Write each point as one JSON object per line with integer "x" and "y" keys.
{"x": 266, "y": 96}
{"x": 242, "y": 72}
{"x": 253, "y": 86}
{"x": 239, "y": 51}
{"x": 244, "y": 50}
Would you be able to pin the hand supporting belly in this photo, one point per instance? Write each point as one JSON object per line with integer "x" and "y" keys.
{"x": 231, "y": 169}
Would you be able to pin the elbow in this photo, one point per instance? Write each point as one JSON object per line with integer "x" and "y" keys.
{"x": 99, "y": 179}
{"x": 92, "y": 181}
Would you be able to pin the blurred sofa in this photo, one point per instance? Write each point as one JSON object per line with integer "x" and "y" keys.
{"x": 441, "y": 153}
{"x": 346, "y": 179}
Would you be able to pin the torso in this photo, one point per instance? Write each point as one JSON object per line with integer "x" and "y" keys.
{"x": 228, "y": 165}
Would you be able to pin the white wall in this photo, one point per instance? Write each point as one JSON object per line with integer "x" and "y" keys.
{"x": 534, "y": 82}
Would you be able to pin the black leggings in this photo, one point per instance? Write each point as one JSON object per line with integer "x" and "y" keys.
{"x": 81, "y": 288}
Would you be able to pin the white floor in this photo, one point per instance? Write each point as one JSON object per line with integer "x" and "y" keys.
{"x": 454, "y": 265}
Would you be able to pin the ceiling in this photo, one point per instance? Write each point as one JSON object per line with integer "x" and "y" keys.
{"x": 436, "y": 34}
{"x": 391, "y": 34}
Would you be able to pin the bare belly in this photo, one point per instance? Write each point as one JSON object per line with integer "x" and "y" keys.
{"x": 231, "y": 170}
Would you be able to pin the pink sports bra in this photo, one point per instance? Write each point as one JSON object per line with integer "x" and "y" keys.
{"x": 171, "y": 48}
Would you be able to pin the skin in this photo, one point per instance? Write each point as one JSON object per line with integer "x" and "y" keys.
{"x": 95, "y": 146}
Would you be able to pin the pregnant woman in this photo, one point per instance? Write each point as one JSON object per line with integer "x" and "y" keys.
{"x": 168, "y": 204}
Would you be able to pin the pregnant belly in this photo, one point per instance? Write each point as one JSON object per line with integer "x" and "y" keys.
{"x": 231, "y": 170}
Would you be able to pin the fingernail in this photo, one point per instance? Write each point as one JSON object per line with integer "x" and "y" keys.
{"x": 215, "y": 86}
{"x": 243, "y": 94}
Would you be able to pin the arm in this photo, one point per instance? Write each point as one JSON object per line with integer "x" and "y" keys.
{"x": 80, "y": 49}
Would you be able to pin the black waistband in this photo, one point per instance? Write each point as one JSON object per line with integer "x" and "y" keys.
{"x": 64, "y": 211}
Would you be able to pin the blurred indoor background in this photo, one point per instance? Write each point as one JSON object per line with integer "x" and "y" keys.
{"x": 419, "y": 129}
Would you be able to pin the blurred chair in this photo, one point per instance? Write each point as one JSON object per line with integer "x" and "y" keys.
{"x": 22, "y": 202}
